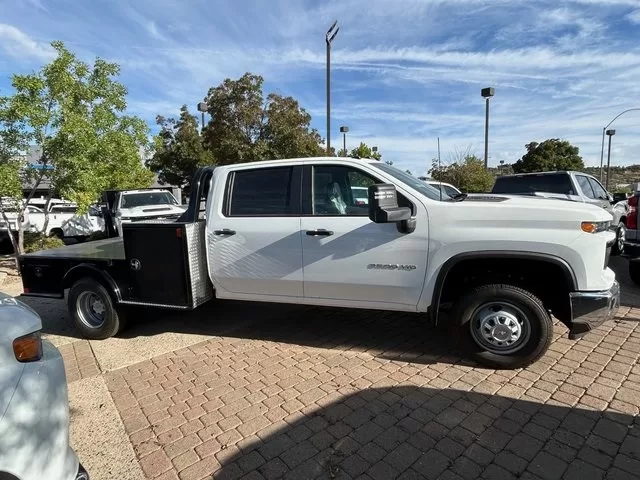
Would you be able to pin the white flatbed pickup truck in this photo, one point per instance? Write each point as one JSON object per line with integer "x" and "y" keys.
{"x": 290, "y": 231}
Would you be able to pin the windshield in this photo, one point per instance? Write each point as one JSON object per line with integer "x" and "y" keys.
{"x": 427, "y": 190}
{"x": 143, "y": 199}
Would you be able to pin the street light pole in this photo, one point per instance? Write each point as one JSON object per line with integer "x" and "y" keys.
{"x": 486, "y": 93}
{"x": 331, "y": 34}
{"x": 202, "y": 107}
{"x": 604, "y": 131}
{"x": 344, "y": 129}
{"x": 611, "y": 133}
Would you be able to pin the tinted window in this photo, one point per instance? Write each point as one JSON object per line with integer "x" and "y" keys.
{"x": 427, "y": 190}
{"x": 528, "y": 184}
{"x": 266, "y": 191}
{"x": 63, "y": 209}
{"x": 598, "y": 189}
{"x": 452, "y": 192}
{"x": 585, "y": 186}
{"x": 131, "y": 200}
{"x": 340, "y": 191}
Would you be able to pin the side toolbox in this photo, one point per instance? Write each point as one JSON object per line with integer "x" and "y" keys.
{"x": 167, "y": 264}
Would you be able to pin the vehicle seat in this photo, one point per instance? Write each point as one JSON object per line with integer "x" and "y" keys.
{"x": 335, "y": 198}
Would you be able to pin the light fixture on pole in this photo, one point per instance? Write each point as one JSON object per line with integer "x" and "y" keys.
{"x": 331, "y": 34}
{"x": 202, "y": 107}
{"x": 487, "y": 93}
{"x": 610, "y": 133}
{"x": 604, "y": 131}
{"x": 344, "y": 129}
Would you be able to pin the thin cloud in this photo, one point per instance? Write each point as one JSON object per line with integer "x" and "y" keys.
{"x": 19, "y": 45}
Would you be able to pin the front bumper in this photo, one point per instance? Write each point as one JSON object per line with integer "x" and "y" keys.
{"x": 589, "y": 310}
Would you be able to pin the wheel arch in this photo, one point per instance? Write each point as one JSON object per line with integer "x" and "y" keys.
{"x": 84, "y": 270}
{"x": 456, "y": 260}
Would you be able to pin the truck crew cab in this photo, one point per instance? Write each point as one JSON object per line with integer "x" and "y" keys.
{"x": 493, "y": 267}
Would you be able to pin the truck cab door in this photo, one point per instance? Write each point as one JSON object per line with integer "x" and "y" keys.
{"x": 349, "y": 260}
{"x": 253, "y": 234}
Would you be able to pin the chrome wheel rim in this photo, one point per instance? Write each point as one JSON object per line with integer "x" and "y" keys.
{"x": 500, "y": 327}
{"x": 91, "y": 309}
{"x": 620, "y": 239}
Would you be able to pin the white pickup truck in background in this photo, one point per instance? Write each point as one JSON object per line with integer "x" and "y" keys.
{"x": 144, "y": 204}
{"x": 493, "y": 268}
{"x": 64, "y": 220}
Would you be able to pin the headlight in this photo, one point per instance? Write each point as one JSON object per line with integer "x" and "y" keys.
{"x": 595, "y": 227}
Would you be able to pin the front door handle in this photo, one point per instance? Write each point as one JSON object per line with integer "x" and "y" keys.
{"x": 319, "y": 232}
{"x": 225, "y": 231}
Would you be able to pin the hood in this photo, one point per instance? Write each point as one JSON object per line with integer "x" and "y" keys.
{"x": 152, "y": 210}
{"x": 525, "y": 209}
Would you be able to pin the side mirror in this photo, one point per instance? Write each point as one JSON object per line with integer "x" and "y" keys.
{"x": 610, "y": 197}
{"x": 383, "y": 207}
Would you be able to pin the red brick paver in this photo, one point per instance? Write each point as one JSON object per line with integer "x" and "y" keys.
{"x": 343, "y": 394}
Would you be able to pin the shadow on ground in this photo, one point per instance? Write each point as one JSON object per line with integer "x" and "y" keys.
{"x": 412, "y": 432}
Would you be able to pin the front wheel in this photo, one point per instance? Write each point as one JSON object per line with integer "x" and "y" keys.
{"x": 502, "y": 326}
{"x": 93, "y": 310}
{"x": 618, "y": 246}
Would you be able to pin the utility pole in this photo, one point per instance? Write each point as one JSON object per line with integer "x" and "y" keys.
{"x": 487, "y": 93}
{"x": 331, "y": 34}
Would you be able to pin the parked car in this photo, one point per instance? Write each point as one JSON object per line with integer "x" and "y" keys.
{"x": 14, "y": 219}
{"x": 34, "y": 407}
{"x": 568, "y": 185}
{"x": 288, "y": 231}
{"x": 446, "y": 188}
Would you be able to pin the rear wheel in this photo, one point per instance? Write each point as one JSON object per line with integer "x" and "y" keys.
{"x": 93, "y": 311}
{"x": 618, "y": 246}
{"x": 502, "y": 326}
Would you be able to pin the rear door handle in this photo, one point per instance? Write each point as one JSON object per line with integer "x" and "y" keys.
{"x": 319, "y": 232}
{"x": 225, "y": 231}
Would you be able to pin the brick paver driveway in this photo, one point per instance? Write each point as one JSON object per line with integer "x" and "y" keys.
{"x": 323, "y": 393}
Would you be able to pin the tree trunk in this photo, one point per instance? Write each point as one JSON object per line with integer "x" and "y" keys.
{"x": 46, "y": 213}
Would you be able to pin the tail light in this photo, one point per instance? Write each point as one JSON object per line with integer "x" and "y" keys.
{"x": 632, "y": 213}
{"x": 28, "y": 348}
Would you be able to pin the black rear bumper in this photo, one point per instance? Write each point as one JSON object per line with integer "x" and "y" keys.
{"x": 589, "y": 310}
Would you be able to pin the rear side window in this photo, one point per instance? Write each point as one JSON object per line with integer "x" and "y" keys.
{"x": 261, "y": 192}
{"x": 528, "y": 184}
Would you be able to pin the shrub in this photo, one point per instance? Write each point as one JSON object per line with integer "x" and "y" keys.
{"x": 39, "y": 241}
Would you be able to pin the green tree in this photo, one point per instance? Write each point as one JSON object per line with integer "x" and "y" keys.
{"x": 364, "y": 151}
{"x": 72, "y": 113}
{"x": 552, "y": 154}
{"x": 468, "y": 174}
{"x": 179, "y": 150}
{"x": 245, "y": 127}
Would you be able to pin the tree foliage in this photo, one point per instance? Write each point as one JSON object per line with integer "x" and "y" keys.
{"x": 245, "y": 127}
{"x": 468, "y": 174}
{"x": 364, "y": 151}
{"x": 72, "y": 113}
{"x": 179, "y": 150}
{"x": 552, "y": 154}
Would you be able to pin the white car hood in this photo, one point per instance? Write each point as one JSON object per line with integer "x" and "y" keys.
{"x": 150, "y": 210}
{"x": 523, "y": 209}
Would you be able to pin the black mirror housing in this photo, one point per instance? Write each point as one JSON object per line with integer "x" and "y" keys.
{"x": 383, "y": 204}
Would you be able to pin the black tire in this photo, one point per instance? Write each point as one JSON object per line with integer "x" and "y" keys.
{"x": 82, "y": 298}
{"x": 56, "y": 232}
{"x": 618, "y": 246}
{"x": 521, "y": 307}
{"x": 634, "y": 271}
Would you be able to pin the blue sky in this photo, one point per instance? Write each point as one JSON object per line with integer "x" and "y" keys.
{"x": 403, "y": 71}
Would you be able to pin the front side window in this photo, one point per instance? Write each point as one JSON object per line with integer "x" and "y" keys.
{"x": 340, "y": 190}
{"x": 261, "y": 192}
{"x": 598, "y": 189}
{"x": 585, "y": 186}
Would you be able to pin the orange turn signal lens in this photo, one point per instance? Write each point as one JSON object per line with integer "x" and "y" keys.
{"x": 595, "y": 227}
{"x": 28, "y": 348}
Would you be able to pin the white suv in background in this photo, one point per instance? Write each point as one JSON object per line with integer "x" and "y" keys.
{"x": 445, "y": 188}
